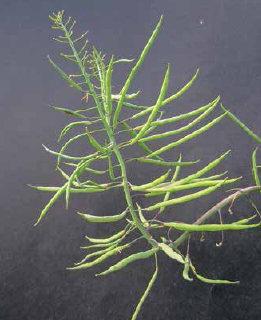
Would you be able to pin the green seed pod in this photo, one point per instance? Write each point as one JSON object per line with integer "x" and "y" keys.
{"x": 91, "y": 218}
{"x": 107, "y": 240}
{"x": 129, "y": 259}
{"x": 151, "y": 184}
{"x": 171, "y": 253}
{"x": 209, "y": 227}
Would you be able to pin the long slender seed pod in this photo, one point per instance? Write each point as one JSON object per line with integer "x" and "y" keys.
{"x": 172, "y": 119}
{"x": 216, "y": 176}
{"x": 51, "y": 202}
{"x": 76, "y": 173}
{"x": 94, "y": 254}
{"x": 101, "y": 245}
{"x": 199, "y": 173}
{"x": 65, "y": 146}
{"x": 70, "y": 112}
{"x": 133, "y": 71}
{"x": 165, "y": 163}
{"x": 145, "y": 294}
{"x": 89, "y": 189}
{"x": 182, "y": 129}
{"x": 107, "y": 240}
{"x": 203, "y": 279}
{"x": 245, "y": 221}
{"x": 166, "y": 101}
{"x": 182, "y": 90}
{"x": 94, "y": 142}
{"x": 102, "y": 219}
{"x": 174, "y": 178}
{"x": 108, "y": 87}
{"x": 124, "y": 262}
{"x": 101, "y": 258}
{"x": 68, "y": 79}
{"x": 241, "y": 124}
{"x": 73, "y": 124}
{"x": 185, "y": 272}
{"x": 186, "y": 198}
{"x": 209, "y": 227}
{"x": 69, "y": 157}
{"x": 156, "y": 108}
{"x": 86, "y": 169}
{"x": 152, "y": 183}
{"x": 142, "y": 218}
{"x": 254, "y": 168}
{"x": 189, "y": 136}
{"x": 157, "y": 191}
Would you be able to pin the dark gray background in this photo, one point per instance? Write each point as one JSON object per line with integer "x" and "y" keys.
{"x": 223, "y": 38}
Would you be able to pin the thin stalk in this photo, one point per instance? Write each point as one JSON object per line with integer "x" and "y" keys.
{"x": 109, "y": 131}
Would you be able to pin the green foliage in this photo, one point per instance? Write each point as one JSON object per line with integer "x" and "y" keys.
{"x": 94, "y": 82}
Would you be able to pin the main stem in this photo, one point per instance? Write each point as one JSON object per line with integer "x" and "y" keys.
{"x": 109, "y": 131}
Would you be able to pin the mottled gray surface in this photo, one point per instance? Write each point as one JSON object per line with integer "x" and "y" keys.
{"x": 223, "y": 38}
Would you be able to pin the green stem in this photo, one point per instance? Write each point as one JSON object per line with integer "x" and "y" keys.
{"x": 109, "y": 131}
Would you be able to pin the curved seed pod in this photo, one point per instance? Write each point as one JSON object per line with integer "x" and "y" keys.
{"x": 86, "y": 169}
{"x": 161, "y": 190}
{"x": 51, "y": 202}
{"x": 136, "y": 256}
{"x": 71, "y": 82}
{"x": 189, "y": 136}
{"x": 244, "y": 221}
{"x": 145, "y": 294}
{"x": 107, "y": 240}
{"x": 241, "y": 124}
{"x": 127, "y": 96}
{"x": 151, "y": 184}
{"x": 186, "y": 198}
{"x": 76, "y": 173}
{"x": 155, "y": 109}
{"x": 165, "y": 163}
{"x": 142, "y": 219}
{"x": 91, "y": 189}
{"x": 171, "y": 253}
{"x": 216, "y": 176}
{"x": 254, "y": 168}
{"x": 182, "y": 90}
{"x": 185, "y": 272}
{"x": 184, "y": 128}
{"x": 102, "y": 245}
{"x": 114, "y": 218}
{"x": 101, "y": 258}
{"x": 108, "y": 87}
{"x": 209, "y": 227}
{"x": 94, "y": 143}
{"x": 70, "y": 112}
{"x": 66, "y": 145}
{"x": 172, "y": 119}
{"x": 73, "y": 124}
{"x": 199, "y": 173}
{"x": 69, "y": 157}
{"x": 203, "y": 279}
{"x": 133, "y": 71}
{"x": 96, "y": 253}
{"x": 123, "y": 60}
